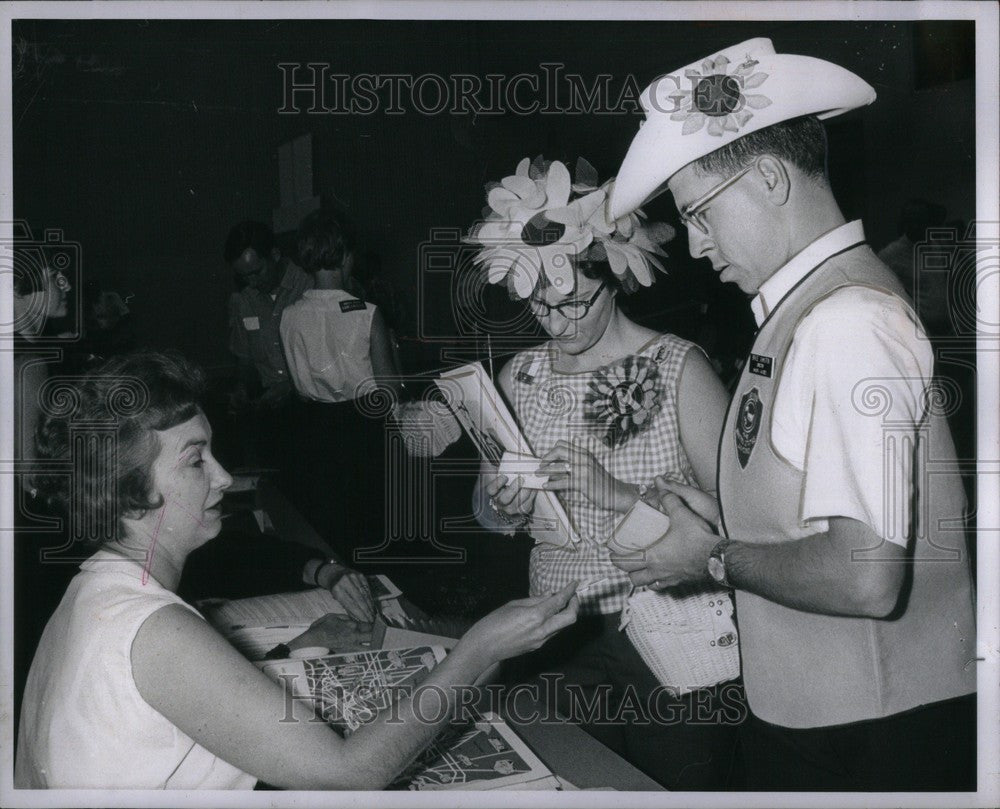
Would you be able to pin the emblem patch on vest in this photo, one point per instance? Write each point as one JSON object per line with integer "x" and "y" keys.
{"x": 748, "y": 424}
{"x": 761, "y": 365}
{"x": 353, "y": 305}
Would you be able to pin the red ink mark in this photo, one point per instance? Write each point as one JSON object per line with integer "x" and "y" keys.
{"x": 152, "y": 547}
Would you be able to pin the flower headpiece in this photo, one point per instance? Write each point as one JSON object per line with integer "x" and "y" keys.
{"x": 533, "y": 228}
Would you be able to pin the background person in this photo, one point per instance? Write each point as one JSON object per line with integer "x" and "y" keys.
{"x": 131, "y": 688}
{"x": 339, "y": 351}
{"x": 267, "y": 282}
{"x": 853, "y": 587}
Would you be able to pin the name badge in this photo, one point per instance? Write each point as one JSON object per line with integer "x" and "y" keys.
{"x": 352, "y": 306}
{"x": 761, "y": 365}
{"x": 251, "y": 323}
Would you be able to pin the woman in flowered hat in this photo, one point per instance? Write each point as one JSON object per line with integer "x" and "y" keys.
{"x": 609, "y": 406}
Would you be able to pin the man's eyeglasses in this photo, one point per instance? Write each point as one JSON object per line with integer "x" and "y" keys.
{"x": 691, "y": 213}
{"x": 571, "y": 310}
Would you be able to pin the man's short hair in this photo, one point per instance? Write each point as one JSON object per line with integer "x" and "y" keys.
{"x": 324, "y": 241}
{"x": 800, "y": 141}
{"x": 248, "y": 233}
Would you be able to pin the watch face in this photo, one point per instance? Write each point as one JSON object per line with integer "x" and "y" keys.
{"x": 716, "y": 569}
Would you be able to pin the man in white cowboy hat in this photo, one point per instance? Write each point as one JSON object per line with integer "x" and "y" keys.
{"x": 839, "y": 518}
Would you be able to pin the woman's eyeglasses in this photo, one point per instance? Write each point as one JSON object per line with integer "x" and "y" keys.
{"x": 571, "y": 310}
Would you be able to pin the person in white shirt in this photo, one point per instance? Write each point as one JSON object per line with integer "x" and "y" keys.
{"x": 336, "y": 344}
{"x": 840, "y": 505}
{"x": 341, "y": 359}
{"x": 130, "y": 687}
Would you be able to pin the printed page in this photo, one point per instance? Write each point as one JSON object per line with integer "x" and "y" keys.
{"x": 485, "y": 753}
{"x": 481, "y": 410}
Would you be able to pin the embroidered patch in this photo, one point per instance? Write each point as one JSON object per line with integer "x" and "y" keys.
{"x": 761, "y": 365}
{"x": 251, "y": 323}
{"x": 353, "y": 305}
{"x": 748, "y": 425}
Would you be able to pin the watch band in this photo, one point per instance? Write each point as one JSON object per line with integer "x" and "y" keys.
{"x": 717, "y": 563}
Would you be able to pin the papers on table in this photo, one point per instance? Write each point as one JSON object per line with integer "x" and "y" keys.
{"x": 256, "y": 625}
{"x": 348, "y": 690}
{"x": 484, "y": 753}
{"x": 281, "y": 609}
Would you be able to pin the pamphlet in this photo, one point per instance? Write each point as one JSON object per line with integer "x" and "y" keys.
{"x": 480, "y": 409}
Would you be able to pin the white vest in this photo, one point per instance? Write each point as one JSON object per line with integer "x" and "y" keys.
{"x": 805, "y": 670}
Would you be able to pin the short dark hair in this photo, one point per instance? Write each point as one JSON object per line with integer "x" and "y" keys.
{"x": 136, "y": 394}
{"x": 800, "y": 141}
{"x": 248, "y": 233}
{"x": 325, "y": 240}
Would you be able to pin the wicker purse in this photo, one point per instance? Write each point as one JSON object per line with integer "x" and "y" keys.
{"x": 686, "y": 636}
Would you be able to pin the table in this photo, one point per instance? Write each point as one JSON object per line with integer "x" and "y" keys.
{"x": 562, "y": 746}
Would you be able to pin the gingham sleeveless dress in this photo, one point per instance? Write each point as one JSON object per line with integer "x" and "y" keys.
{"x": 625, "y": 414}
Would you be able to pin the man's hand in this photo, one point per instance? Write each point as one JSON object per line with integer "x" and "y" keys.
{"x": 572, "y": 468}
{"x": 680, "y": 556}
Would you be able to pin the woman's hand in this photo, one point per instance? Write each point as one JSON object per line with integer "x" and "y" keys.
{"x": 334, "y": 631}
{"x": 572, "y": 468}
{"x": 521, "y": 626}
{"x": 511, "y": 502}
{"x": 350, "y": 589}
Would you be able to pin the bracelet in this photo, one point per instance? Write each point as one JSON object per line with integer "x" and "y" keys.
{"x": 319, "y": 567}
{"x": 505, "y": 518}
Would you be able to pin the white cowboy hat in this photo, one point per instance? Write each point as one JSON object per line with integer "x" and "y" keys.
{"x": 707, "y": 104}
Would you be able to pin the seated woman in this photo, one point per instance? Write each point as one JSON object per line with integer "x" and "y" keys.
{"x": 608, "y": 405}
{"x": 130, "y": 687}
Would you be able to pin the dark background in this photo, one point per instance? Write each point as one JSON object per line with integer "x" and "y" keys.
{"x": 145, "y": 141}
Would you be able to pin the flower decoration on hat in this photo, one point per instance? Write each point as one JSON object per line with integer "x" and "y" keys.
{"x": 538, "y": 222}
{"x": 718, "y": 97}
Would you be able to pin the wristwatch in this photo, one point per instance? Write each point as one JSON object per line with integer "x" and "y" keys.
{"x": 717, "y": 563}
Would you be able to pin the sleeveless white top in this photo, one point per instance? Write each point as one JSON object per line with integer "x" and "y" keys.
{"x": 83, "y": 722}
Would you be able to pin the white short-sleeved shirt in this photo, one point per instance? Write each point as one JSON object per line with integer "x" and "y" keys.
{"x": 327, "y": 341}
{"x": 857, "y": 344}
{"x": 84, "y": 723}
